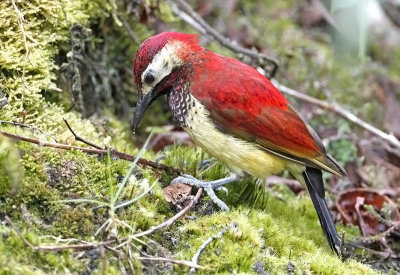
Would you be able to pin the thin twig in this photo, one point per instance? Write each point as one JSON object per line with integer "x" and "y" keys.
{"x": 385, "y": 255}
{"x": 7, "y": 218}
{"x": 183, "y": 6}
{"x": 91, "y": 245}
{"x": 94, "y": 151}
{"x": 131, "y": 32}
{"x": 78, "y": 138}
{"x": 195, "y": 258}
{"x": 105, "y": 245}
{"x": 171, "y": 220}
{"x": 32, "y": 128}
{"x": 332, "y": 106}
{"x": 181, "y": 262}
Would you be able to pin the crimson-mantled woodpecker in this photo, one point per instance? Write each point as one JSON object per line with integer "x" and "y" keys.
{"x": 234, "y": 113}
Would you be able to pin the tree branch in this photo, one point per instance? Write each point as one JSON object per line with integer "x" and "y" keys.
{"x": 94, "y": 151}
{"x": 195, "y": 258}
{"x": 32, "y": 128}
{"x": 173, "y": 219}
{"x": 78, "y": 138}
{"x": 332, "y": 106}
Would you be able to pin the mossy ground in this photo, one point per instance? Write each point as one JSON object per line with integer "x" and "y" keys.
{"x": 280, "y": 232}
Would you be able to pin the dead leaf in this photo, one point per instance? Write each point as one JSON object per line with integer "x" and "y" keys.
{"x": 177, "y": 193}
{"x": 352, "y": 208}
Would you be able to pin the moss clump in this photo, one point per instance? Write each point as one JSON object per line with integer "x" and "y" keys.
{"x": 261, "y": 237}
{"x": 75, "y": 221}
{"x": 11, "y": 174}
{"x": 274, "y": 233}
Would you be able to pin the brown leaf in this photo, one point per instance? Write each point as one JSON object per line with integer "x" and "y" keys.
{"x": 177, "y": 193}
{"x": 351, "y": 205}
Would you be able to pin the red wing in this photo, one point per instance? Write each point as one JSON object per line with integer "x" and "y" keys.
{"x": 245, "y": 104}
{"x": 276, "y": 129}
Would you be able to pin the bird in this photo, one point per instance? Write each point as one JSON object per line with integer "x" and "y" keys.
{"x": 234, "y": 113}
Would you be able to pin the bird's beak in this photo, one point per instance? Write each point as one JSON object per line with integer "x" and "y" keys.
{"x": 141, "y": 107}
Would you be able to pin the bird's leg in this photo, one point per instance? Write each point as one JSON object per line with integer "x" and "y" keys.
{"x": 208, "y": 186}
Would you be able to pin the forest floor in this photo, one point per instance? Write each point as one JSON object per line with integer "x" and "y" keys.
{"x": 76, "y": 198}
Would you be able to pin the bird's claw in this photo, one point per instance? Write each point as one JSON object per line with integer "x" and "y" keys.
{"x": 208, "y": 187}
{"x": 187, "y": 179}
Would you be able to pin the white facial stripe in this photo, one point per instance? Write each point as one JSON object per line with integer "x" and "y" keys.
{"x": 162, "y": 65}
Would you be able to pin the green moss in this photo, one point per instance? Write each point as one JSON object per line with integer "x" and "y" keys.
{"x": 270, "y": 231}
{"x": 11, "y": 173}
{"x": 261, "y": 236}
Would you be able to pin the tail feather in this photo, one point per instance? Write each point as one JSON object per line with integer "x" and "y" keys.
{"x": 314, "y": 183}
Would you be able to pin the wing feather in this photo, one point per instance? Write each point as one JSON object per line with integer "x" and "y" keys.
{"x": 247, "y": 105}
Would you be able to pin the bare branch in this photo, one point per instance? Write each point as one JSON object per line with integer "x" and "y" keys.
{"x": 78, "y": 138}
{"x": 130, "y": 31}
{"x": 171, "y": 220}
{"x": 32, "y": 128}
{"x": 94, "y": 151}
{"x": 327, "y": 16}
{"x": 219, "y": 235}
{"x": 332, "y": 106}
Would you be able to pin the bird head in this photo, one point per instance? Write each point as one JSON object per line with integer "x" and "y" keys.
{"x": 162, "y": 62}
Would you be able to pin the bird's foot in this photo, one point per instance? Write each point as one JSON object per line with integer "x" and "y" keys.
{"x": 208, "y": 186}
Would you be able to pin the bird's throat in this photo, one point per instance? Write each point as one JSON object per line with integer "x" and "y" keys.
{"x": 179, "y": 102}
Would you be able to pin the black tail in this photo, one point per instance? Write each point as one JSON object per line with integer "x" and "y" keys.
{"x": 315, "y": 186}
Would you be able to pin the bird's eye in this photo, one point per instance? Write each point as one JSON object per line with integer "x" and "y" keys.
{"x": 149, "y": 78}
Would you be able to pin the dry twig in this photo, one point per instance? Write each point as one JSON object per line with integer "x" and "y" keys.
{"x": 195, "y": 258}
{"x": 32, "y": 128}
{"x": 93, "y": 245}
{"x": 332, "y": 106}
{"x": 181, "y": 262}
{"x": 94, "y": 151}
{"x": 173, "y": 219}
{"x": 78, "y": 138}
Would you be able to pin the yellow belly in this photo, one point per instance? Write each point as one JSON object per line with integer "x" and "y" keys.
{"x": 238, "y": 154}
